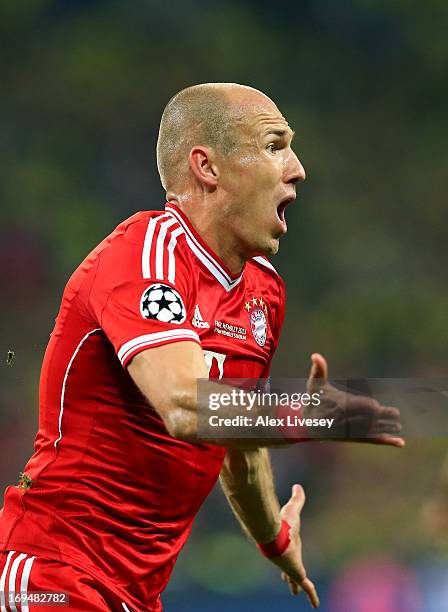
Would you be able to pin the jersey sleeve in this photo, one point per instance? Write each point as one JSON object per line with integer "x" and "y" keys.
{"x": 143, "y": 290}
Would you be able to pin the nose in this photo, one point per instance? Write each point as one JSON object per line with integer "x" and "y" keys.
{"x": 294, "y": 169}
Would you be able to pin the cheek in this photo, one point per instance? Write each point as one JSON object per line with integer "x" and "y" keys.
{"x": 249, "y": 158}
{"x": 251, "y": 189}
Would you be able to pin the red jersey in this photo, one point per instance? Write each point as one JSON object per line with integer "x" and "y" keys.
{"x": 107, "y": 488}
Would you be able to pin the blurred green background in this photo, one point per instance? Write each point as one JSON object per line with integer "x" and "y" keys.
{"x": 364, "y": 84}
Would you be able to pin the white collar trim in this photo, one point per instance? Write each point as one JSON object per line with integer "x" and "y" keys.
{"x": 204, "y": 256}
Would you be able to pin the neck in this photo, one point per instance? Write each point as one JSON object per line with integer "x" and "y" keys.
{"x": 212, "y": 231}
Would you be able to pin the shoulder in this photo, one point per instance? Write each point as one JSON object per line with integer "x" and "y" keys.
{"x": 147, "y": 226}
{"x": 152, "y": 242}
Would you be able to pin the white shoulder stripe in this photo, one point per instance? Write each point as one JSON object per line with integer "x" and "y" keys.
{"x": 146, "y": 270}
{"x": 265, "y": 262}
{"x": 150, "y": 339}
{"x": 160, "y": 246}
{"x": 155, "y": 246}
{"x": 146, "y": 253}
{"x": 171, "y": 259}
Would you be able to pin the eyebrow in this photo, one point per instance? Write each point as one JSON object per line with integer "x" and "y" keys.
{"x": 281, "y": 133}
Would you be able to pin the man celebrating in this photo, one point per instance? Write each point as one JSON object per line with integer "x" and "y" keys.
{"x": 119, "y": 471}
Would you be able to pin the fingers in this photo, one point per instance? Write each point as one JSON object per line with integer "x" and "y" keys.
{"x": 362, "y": 405}
{"x": 359, "y": 425}
{"x": 366, "y": 417}
{"x": 385, "y": 430}
{"x": 310, "y": 590}
{"x": 319, "y": 371}
{"x": 388, "y": 440}
{"x": 294, "y": 587}
{"x": 387, "y": 427}
{"x": 389, "y": 412}
{"x": 307, "y": 586}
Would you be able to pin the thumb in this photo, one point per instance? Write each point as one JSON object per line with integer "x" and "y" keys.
{"x": 298, "y": 496}
{"x": 319, "y": 371}
{"x": 293, "y": 507}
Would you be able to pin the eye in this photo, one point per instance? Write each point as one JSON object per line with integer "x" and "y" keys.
{"x": 271, "y": 147}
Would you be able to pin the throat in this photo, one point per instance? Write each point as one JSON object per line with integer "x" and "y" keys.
{"x": 219, "y": 239}
{"x": 226, "y": 251}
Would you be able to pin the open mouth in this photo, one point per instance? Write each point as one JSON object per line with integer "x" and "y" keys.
{"x": 282, "y": 206}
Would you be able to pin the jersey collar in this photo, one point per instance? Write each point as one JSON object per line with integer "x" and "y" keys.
{"x": 203, "y": 252}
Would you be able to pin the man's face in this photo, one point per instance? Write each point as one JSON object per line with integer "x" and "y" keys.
{"x": 260, "y": 178}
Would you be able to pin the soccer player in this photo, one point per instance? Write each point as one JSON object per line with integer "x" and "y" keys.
{"x": 119, "y": 471}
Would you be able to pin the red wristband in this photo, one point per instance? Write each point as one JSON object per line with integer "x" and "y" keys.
{"x": 278, "y": 546}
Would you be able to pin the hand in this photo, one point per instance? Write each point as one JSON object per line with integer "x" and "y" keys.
{"x": 357, "y": 418}
{"x": 290, "y": 562}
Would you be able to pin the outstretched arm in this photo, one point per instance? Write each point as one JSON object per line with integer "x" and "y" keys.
{"x": 168, "y": 377}
{"x": 246, "y": 479}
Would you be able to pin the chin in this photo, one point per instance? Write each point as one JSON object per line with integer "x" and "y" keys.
{"x": 274, "y": 248}
{"x": 268, "y": 249}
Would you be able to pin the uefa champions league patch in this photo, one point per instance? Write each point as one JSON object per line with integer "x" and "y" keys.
{"x": 162, "y": 303}
{"x": 258, "y": 325}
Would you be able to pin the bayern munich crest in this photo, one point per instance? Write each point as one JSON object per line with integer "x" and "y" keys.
{"x": 257, "y": 310}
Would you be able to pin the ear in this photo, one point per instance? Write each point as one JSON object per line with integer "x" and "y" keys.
{"x": 203, "y": 166}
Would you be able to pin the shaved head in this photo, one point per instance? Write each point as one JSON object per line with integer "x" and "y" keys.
{"x": 206, "y": 115}
{"x": 225, "y": 159}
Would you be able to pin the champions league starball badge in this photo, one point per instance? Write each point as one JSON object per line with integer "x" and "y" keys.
{"x": 257, "y": 310}
{"x": 162, "y": 303}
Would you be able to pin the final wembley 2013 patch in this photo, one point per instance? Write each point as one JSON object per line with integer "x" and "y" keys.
{"x": 162, "y": 303}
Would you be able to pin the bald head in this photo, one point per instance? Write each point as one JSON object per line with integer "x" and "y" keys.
{"x": 206, "y": 115}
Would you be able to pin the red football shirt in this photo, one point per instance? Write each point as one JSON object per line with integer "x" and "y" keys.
{"x": 111, "y": 491}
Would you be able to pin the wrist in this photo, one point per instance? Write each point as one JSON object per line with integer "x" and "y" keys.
{"x": 279, "y": 544}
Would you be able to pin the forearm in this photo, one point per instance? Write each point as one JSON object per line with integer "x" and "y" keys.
{"x": 174, "y": 393}
{"x": 197, "y": 413}
{"x": 247, "y": 481}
